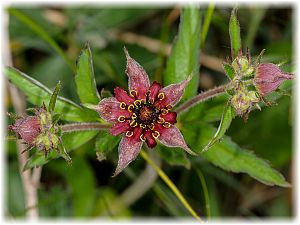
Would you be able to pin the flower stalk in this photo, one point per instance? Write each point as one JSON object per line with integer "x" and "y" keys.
{"x": 75, "y": 127}
{"x": 201, "y": 97}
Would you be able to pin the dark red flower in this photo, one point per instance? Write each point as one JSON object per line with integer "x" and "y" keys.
{"x": 143, "y": 115}
{"x": 268, "y": 77}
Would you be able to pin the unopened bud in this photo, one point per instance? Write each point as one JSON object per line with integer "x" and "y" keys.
{"x": 268, "y": 77}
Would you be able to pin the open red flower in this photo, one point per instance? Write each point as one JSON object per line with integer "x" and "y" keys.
{"x": 268, "y": 77}
{"x": 143, "y": 115}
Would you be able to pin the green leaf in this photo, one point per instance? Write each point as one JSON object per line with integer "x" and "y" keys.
{"x": 234, "y": 33}
{"x": 229, "y": 71}
{"x": 184, "y": 58}
{"x": 229, "y": 156}
{"x": 54, "y": 97}
{"x": 227, "y": 116}
{"x": 70, "y": 141}
{"x": 84, "y": 78}
{"x": 37, "y": 93}
{"x": 105, "y": 142}
{"x": 208, "y": 16}
{"x": 82, "y": 182}
{"x": 173, "y": 156}
{"x": 41, "y": 33}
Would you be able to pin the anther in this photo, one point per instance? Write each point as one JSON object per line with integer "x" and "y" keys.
{"x": 167, "y": 125}
{"x": 160, "y": 120}
{"x": 129, "y": 133}
{"x": 123, "y": 105}
{"x": 164, "y": 112}
{"x": 137, "y": 102}
{"x": 121, "y": 119}
{"x": 130, "y": 108}
{"x": 133, "y": 116}
{"x": 168, "y": 107}
{"x": 142, "y": 137}
{"x": 142, "y": 125}
{"x": 133, "y": 93}
{"x": 156, "y": 134}
{"x": 151, "y": 126}
{"x": 133, "y": 123}
{"x": 161, "y": 96}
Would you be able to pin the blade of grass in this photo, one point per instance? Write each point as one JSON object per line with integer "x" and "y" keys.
{"x": 206, "y": 23}
{"x": 171, "y": 185}
{"x": 42, "y": 33}
{"x": 205, "y": 192}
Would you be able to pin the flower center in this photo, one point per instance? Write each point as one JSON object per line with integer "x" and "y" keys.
{"x": 144, "y": 114}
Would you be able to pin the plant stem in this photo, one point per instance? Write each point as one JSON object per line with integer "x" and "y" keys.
{"x": 171, "y": 185}
{"x": 73, "y": 127}
{"x": 201, "y": 97}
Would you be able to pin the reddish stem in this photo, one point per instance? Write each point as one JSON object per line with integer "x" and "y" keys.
{"x": 73, "y": 127}
{"x": 201, "y": 97}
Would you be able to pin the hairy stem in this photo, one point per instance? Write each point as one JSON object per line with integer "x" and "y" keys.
{"x": 201, "y": 97}
{"x": 73, "y": 127}
{"x": 171, "y": 185}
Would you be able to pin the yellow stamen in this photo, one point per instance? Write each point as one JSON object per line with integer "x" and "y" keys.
{"x": 129, "y": 133}
{"x": 130, "y": 108}
{"x": 168, "y": 107}
{"x": 133, "y": 116}
{"x": 160, "y": 120}
{"x": 167, "y": 125}
{"x": 161, "y": 96}
{"x": 142, "y": 125}
{"x": 156, "y": 134}
{"x": 142, "y": 137}
{"x": 123, "y": 105}
{"x": 137, "y": 102}
{"x": 133, "y": 123}
{"x": 133, "y": 93}
{"x": 151, "y": 126}
{"x": 164, "y": 112}
{"x": 121, "y": 119}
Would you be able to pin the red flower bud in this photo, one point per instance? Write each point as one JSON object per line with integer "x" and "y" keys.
{"x": 28, "y": 128}
{"x": 268, "y": 77}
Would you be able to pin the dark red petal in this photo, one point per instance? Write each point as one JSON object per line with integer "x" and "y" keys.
{"x": 268, "y": 77}
{"x": 109, "y": 110}
{"x": 119, "y": 128}
{"x": 28, "y": 128}
{"x": 154, "y": 89}
{"x": 172, "y": 94}
{"x": 122, "y": 96}
{"x": 138, "y": 79}
{"x": 172, "y": 137}
{"x": 170, "y": 117}
{"x": 128, "y": 151}
{"x": 150, "y": 140}
{"x": 137, "y": 132}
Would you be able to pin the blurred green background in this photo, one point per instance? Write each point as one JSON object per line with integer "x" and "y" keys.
{"x": 86, "y": 189}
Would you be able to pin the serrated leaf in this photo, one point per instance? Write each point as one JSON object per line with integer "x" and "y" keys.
{"x": 85, "y": 79}
{"x": 173, "y": 156}
{"x": 229, "y": 156}
{"x": 184, "y": 58}
{"x": 229, "y": 71}
{"x": 54, "y": 97}
{"x": 70, "y": 141}
{"x": 37, "y": 93}
{"x": 227, "y": 116}
{"x": 106, "y": 142}
{"x": 234, "y": 33}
